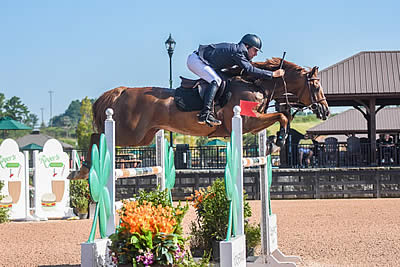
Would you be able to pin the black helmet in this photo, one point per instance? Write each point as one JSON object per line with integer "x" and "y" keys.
{"x": 252, "y": 40}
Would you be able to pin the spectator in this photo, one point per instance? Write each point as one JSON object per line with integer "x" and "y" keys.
{"x": 387, "y": 149}
{"x": 305, "y": 151}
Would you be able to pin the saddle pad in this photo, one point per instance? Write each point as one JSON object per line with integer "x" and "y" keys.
{"x": 187, "y": 100}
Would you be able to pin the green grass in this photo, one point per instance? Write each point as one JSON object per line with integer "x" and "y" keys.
{"x": 300, "y": 123}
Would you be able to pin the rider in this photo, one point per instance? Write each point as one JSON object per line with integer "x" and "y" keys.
{"x": 210, "y": 59}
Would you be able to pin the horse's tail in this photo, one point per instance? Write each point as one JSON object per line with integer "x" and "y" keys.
{"x": 104, "y": 102}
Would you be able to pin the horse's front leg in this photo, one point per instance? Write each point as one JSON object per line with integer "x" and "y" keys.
{"x": 263, "y": 121}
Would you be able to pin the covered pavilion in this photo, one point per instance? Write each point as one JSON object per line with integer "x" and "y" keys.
{"x": 368, "y": 81}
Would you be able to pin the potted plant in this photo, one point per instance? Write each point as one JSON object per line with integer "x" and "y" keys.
{"x": 212, "y": 210}
{"x": 81, "y": 204}
{"x": 253, "y": 237}
{"x": 79, "y": 191}
{"x": 4, "y": 212}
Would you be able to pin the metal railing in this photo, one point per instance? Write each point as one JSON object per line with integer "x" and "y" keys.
{"x": 342, "y": 155}
{"x": 298, "y": 156}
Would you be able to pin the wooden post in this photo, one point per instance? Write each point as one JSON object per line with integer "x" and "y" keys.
{"x": 372, "y": 130}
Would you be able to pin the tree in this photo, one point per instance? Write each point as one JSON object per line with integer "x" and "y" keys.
{"x": 72, "y": 112}
{"x": 201, "y": 140}
{"x": 15, "y": 109}
{"x": 2, "y": 99}
{"x": 32, "y": 120}
{"x": 85, "y": 129}
{"x": 66, "y": 124}
{"x": 250, "y": 139}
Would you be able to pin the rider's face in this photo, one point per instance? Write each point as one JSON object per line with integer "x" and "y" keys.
{"x": 252, "y": 52}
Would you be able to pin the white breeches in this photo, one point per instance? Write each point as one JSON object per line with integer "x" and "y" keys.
{"x": 198, "y": 67}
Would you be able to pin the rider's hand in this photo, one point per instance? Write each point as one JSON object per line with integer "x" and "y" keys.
{"x": 278, "y": 73}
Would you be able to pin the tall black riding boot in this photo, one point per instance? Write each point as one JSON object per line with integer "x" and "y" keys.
{"x": 207, "y": 114}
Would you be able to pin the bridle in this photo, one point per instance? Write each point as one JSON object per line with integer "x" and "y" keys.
{"x": 298, "y": 106}
{"x": 314, "y": 102}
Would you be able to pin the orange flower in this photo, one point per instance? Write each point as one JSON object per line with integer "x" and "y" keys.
{"x": 146, "y": 217}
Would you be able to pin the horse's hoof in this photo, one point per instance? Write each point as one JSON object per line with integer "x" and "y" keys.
{"x": 280, "y": 142}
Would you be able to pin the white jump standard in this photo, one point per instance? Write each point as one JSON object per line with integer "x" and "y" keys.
{"x": 232, "y": 250}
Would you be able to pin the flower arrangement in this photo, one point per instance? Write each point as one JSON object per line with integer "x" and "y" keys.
{"x": 150, "y": 232}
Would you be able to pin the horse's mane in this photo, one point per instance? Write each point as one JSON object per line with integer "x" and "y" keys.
{"x": 274, "y": 63}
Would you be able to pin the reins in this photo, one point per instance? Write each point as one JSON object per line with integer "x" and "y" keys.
{"x": 295, "y": 106}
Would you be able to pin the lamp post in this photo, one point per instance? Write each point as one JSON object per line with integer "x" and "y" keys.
{"x": 51, "y": 108}
{"x": 170, "y": 45}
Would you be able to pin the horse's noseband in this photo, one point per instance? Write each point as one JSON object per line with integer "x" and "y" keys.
{"x": 316, "y": 105}
{"x": 313, "y": 91}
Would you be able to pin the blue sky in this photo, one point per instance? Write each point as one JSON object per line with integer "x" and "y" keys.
{"x": 83, "y": 48}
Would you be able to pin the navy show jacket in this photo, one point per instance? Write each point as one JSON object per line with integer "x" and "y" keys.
{"x": 226, "y": 55}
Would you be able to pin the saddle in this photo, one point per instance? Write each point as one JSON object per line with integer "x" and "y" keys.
{"x": 189, "y": 96}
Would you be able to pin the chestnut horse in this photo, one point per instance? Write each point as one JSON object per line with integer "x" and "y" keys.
{"x": 140, "y": 112}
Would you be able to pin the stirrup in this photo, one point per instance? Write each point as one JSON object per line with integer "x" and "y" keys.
{"x": 213, "y": 121}
{"x": 204, "y": 118}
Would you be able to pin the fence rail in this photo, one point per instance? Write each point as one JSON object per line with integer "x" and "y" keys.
{"x": 214, "y": 157}
{"x": 286, "y": 183}
{"x": 343, "y": 175}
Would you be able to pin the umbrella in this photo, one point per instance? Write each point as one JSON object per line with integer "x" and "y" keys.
{"x": 215, "y": 142}
{"x": 7, "y": 123}
{"x": 32, "y": 147}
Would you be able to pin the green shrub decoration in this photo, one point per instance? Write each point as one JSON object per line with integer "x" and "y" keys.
{"x": 212, "y": 210}
{"x": 80, "y": 195}
{"x": 4, "y": 212}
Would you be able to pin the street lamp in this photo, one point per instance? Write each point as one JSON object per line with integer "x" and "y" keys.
{"x": 170, "y": 45}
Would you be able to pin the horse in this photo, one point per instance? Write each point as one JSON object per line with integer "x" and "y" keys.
{"x": 140, "y": 112}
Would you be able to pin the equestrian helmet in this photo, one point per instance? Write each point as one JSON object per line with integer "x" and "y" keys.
{"x": 252, "y": 40}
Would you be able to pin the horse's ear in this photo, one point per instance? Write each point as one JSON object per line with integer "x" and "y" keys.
{"x": 314, "y": 71}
